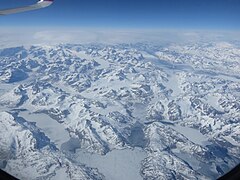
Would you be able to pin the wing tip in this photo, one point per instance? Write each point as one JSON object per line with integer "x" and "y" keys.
{"x": 45, "y": 1}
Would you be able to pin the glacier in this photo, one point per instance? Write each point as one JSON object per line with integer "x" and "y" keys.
{"x": 96, "y": 111}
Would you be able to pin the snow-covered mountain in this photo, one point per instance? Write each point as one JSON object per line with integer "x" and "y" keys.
{"x": 176, "y": 106}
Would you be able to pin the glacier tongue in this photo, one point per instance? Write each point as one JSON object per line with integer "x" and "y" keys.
{"x": 55, "y": 131}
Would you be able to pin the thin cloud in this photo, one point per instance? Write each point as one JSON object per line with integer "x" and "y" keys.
{"x": 19, "y": 37}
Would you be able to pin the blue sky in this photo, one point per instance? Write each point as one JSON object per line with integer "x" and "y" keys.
{"x": 150, "y": 14}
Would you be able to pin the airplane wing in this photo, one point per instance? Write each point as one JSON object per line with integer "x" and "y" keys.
{"x": 40, "y": 4}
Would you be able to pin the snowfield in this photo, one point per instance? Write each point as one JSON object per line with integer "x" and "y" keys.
{"x": 97, "y": 111}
